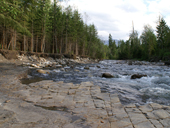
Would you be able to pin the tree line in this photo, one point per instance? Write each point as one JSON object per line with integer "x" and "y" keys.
{"x": 144, "y": 47}
{"x": 45, "y": 26}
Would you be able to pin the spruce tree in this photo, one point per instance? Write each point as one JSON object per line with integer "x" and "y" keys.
{"x": 162, "y": 30}
{"x": 148, "y": 40}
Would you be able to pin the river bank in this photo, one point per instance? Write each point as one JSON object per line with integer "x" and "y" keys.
{"x": 66, "y": 105}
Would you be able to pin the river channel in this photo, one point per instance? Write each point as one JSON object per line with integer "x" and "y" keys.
{"x": 153, "y": 88}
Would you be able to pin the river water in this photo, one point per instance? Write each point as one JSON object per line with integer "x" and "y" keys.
{"x": 153, "y": 88}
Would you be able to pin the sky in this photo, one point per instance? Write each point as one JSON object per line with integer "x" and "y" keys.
{"x": 115, "y": 17}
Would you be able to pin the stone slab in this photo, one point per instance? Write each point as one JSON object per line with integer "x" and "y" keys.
{"x": 145, "y": 124}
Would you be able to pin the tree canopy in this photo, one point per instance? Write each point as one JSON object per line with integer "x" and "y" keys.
{"x": 45, "y": 26}
{"x": 149, "y": 44}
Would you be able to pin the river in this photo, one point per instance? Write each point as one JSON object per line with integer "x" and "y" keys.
{"x": 153, "y": 88}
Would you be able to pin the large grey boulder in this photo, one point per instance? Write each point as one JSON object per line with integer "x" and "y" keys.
{"x": 130, "y": 63}
{"x": 98, "y": 66}
{"x": 87, "y": 68}
{"x": 167, "y": 63}
{"x": 107, "y": 75}
{"x": 137, "y": 76}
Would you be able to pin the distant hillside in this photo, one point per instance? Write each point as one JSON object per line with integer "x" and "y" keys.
{"x": 106, "y": 42}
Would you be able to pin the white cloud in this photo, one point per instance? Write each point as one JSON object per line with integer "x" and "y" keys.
{"x": 116, "y": 16}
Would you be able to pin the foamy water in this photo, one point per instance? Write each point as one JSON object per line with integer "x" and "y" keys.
{"x": 153, "y": 88}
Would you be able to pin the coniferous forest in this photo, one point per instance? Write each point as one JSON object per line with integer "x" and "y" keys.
{"x": 150, "y": 45}
{"x": 46, "y": 27}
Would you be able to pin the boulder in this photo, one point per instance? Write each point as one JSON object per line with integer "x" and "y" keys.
{"x": 98, "y": 66}
{"x": 129, "y": 62}
{"x": 41, "y": 65}
{"x": 72, "y": 66}
{"x": 35, "y": 66}
{"x": 87, "y": 68}
{"x": 137, "y": 76}
{"x": 58, "y": 66}
{"x": 107, "y": 75}
{"x": 43, "y": 71}
{"x": 167, "y": 63}
{"x": 48, "y": 65}
{"x": 138, "y": 63}
{"x": 70, "y": 56}
{"x": 155, "y": 59}
{"x": 74, "y": 57}
{"x": 67, "y": 56}
{"x": 62, "y": 69}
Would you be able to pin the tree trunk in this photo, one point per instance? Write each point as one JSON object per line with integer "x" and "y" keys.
{"x": 54, "y": 29}
{"x": 66, "y": 42}
{"x": 4, "y": 37}
{"x": 89, "y": 46}
{"x": 43, "y": 43}
{"x": 15, "y": 39}
{"x": 53, "y": 44}
{"x": 70, "y": 45}
{"x": 61, "y": 45}
{"x": 43, "y": 30}
{"x": 24, "y": 38}
{"x": 53, "y": 39}
{"x": 56, "y": 42}
{"x": 12, "y": 39}
{"x": 83, "y": 50}
{"x": 11, "y": 42}
{"x": 66, "y": 36}
{"x": 32, "y": 43}
{"x": 24, "y": 42}
{"x": 43, "y": 38}
{"x": 37, "y": 43}
{"x": 32, "y": 37}
{"x": 1, "y": 41}
{"x": 76, "y": 47}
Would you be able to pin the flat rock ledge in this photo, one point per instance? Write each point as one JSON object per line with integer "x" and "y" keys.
{"x": 51, "y": 104}
{"x": 48, "y": 104}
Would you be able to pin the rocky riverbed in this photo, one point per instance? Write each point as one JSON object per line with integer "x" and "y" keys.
{"x": 138, "y": 83}
{"x": 51, "y": 104}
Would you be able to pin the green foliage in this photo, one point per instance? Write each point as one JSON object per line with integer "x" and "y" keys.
{"x": 8, "y": 16}
{"x": 45, "y": 26}
{"x": 162, "y": 30}
{"x": 149, "y": 43}
{"x": 166, "y": 54}
{"x": 112, "y": 47}
{"x": 122, "y": 50}
{"x": 135, "y": 44}
{"x": 9, "y": 22}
